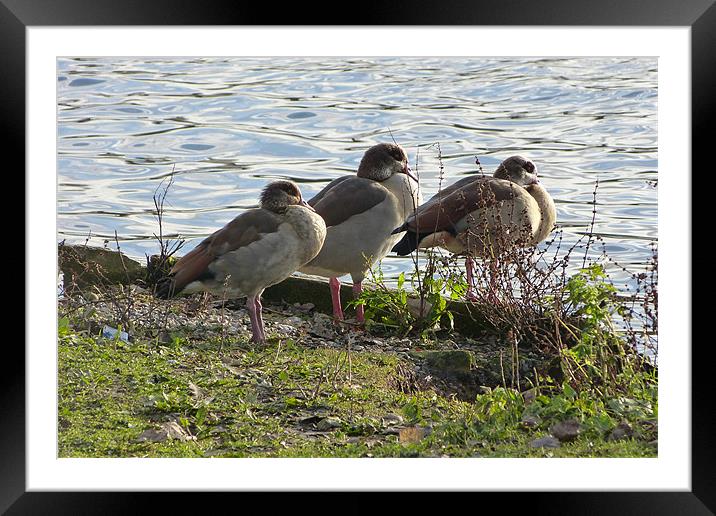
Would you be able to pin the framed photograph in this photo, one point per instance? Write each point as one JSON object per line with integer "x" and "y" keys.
{"x": 202, "y": 108}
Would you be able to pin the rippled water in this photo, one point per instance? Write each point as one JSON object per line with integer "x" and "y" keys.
{"x": 226, "y": 126}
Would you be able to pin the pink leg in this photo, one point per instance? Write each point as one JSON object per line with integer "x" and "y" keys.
{"x": 336, "y": 298}
{"x": 357, "y": 289}
{"x": 256, "y": 323}
{"x": 470, "y": 295}
{"x": 259, "y": 316}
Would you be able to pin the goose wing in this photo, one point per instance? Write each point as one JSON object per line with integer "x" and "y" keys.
{"x": 347, "y": 196}
{"x": 245, "y": 229}
{"x": 446, "y": 211}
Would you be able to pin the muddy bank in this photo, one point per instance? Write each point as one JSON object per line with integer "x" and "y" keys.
{"x": 85, "y": 267}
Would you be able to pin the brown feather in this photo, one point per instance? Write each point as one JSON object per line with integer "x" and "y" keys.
{"x": 191, "y": 266}
{"x": 346, "y": 197}
{"x": 444, "y": 210}
{"x": 444, "y": 192}
{"x": 320, "y": 195}
{"x": 245, "y": 229}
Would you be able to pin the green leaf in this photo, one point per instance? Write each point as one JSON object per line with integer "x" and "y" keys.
{"x": 200, "y": 415}
{"x": 568, "y": 391}
{"x": 63, "y": 326}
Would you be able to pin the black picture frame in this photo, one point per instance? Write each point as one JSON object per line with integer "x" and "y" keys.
{"x": 699, "y": 15}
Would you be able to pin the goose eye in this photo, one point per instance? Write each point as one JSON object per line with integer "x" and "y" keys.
{"x": 529, "y": 167}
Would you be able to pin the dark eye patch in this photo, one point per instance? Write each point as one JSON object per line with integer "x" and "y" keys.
{"x": 529, "y": 167}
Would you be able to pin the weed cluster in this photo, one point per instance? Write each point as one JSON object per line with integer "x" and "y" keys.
{"x": 159, "y": 265}
{"x": 603, "y": 341}
{"x": 393, "y": 309}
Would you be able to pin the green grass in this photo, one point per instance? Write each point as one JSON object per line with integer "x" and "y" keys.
{"x": 238, "y": 400}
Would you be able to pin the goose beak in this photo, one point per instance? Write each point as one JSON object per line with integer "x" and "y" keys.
{"x": 408, "y": 173}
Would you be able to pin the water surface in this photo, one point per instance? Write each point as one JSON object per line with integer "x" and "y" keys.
{"x": 227, "y": 126}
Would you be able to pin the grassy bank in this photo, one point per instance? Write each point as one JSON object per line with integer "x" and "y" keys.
{"x": 189, "y": 384}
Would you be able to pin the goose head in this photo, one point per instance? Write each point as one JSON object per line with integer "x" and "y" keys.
{"x": 518, "y": 170}
{"x": 383, "y": 161}
{"x": 279, "y": 195}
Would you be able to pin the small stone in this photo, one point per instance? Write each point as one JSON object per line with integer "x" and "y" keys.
{"x": 545, "y": 442}
{"x": 321, "y": 318}
{"x": 153, "y": 435}
{"x": 262, "y": 382}
{"x": 310, "y": 420}
{"x": 285, "y": 328}
{"x": 169, "y": 430}
{"x": 622, "y": 431}
{"x": 413, "y": 434}
{"x": 530, "y": 421}
{"x": 566, "y": 430}
{"x": 392, "y": 420}
{"x": 328, "y": 423}
{"x": 322, "y": 326}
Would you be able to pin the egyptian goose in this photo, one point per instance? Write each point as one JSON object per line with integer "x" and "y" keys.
{"x": 259, "y": 248}
{"x": 360, "y": 212}
{"x": 481, "y": 215}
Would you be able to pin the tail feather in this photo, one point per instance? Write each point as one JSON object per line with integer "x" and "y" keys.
{"x": 402, "y": 228}
{"x": 190, "y": 267}
{"x": 165, "y": 288}
{"x": 406, "y": 245}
